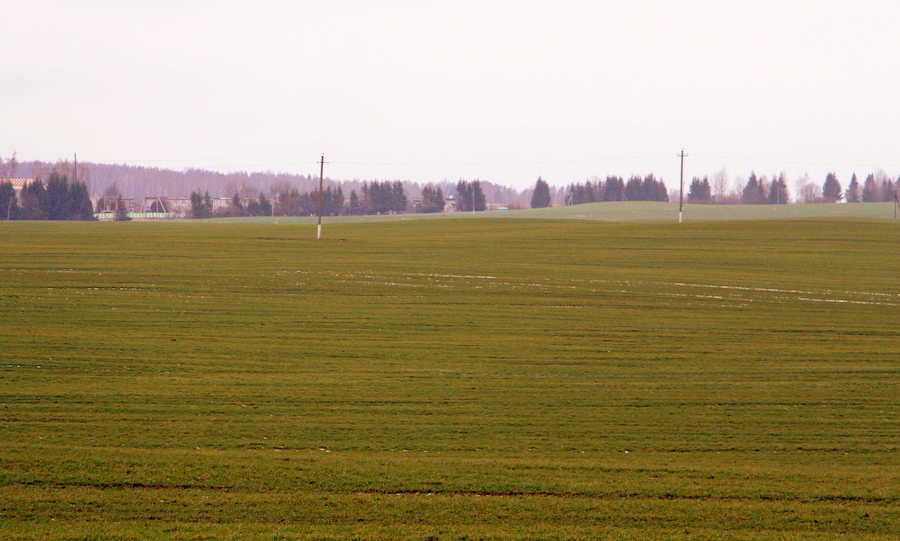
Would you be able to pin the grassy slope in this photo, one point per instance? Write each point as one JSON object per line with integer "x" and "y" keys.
{"x": 629, "y": 211}
{"x": 502, "y": 379}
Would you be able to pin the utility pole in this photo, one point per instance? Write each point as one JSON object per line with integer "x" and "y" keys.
{"x": 321, "y": 173}
{"x": 681, "y": 193}
{"x": 76, "y": 169}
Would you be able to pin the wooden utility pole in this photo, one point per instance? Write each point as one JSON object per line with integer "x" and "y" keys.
{"x": 681, "y": 193}
{"x": 321, "y": 173}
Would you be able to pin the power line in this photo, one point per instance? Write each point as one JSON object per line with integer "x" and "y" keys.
{"x": 488, "y": 163}
{"x": 419, "y": 161}
{"x": 796, "y": 162}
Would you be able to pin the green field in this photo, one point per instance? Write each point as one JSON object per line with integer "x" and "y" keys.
{"x": 631, "y": 211}
{"x": 496, "y": 379}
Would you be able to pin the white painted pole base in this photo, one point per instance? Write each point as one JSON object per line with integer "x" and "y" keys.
{"x": 679, "y": 216}
{"x": 320, "y": 233}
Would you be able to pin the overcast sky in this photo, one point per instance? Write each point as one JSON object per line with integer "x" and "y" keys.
{"x": 425, "y": 91}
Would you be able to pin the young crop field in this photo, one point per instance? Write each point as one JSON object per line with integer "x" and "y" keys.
{"x": 625, "y": 211}
{"x": 493, "y": 379}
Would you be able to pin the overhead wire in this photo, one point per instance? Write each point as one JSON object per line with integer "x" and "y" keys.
{"x": 275, "y": 161}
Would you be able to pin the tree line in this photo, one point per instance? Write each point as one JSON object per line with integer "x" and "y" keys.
{"x": 755, "y": 190}
{"x": 469, "y": 196}
{"x": 297, "y": 195}
{"x": 759, "y": 190}
{"x": 58, "y": 199}
{"x": 374, "y": 198}
{"x": 140, "y": 182}
{"x": 615, "y": 188}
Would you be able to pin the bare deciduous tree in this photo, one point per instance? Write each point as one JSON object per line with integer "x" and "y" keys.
{"x": 111, "y": 195}
{"x": 807, "y": 192}
{"x": 720, "y": 185}
{"x": 9, "y": 166}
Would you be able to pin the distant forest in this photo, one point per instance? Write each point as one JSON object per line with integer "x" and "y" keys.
{"x": 138, "y": 182}
{"x": 878, "y": 186}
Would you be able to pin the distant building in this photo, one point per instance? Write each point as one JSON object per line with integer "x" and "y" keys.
{"x": 18, "y": 184}
{"x": 417, "y": 205}
{"x": 171, "y": 207}
{"x": 179, "y": 207}
{"x": 106, "y": 204}
{"x": 221, "y": 204}
{"x": 105, "y": 207}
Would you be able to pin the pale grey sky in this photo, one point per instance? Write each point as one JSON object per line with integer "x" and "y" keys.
{"x": 498, "y": 90}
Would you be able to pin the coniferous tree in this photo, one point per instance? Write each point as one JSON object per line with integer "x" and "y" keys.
{"x": 889, "y": 189}
{"x": 464, "y": 202}
{"x": 80, "y": 206}
{"x": 290, "y": 203}
{"x": 470, "y": 196}
{"x": 381, "y": 196}
{"x": 365, "y": 200}
{"x": 634, "y": 190}
{"x": 237, "y": 206}
{"x": 478, "y": 194}
{"x": 870, "y": 191}
{"x": 208, "y": 205}
{"x": 614, "y": 189}
{"x": 354, "y": 204}
{"x": 398, "y": 198}
{"x": 699, "y": 191}
{"x": 853, "y": 192}
{"x": 778, "y": 191}
{"x": 831, "y": 189}
{"x": 432, "y": 199}
{"x": 201, "y": 205}
{"x": 34, "y": 196}
{"x": 196, "y": 205}
{"x": 380, "y": 201}
{"x": 121, "y": 210}
{"x": 58, "y": 202}
{"x": 8, "y": 204}
{"x": 754, "y": 192}
{"x": 308, "y": 204}
{"x": 260, "y": 206}
{"x": 265, "y": 206}
{"x": 594, "y": 191}
{"x": 589, "y": 192}
{"x": 540, "y": 198}
{"x": 576, "y": 194}
{"x": 332, "y": 201}
{"x": 648, "y": 188}
{"x": 653, "y": 189}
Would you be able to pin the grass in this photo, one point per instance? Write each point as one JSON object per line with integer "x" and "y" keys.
{"x": 630, "y": 211}
{"x": 450, "y": 379}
